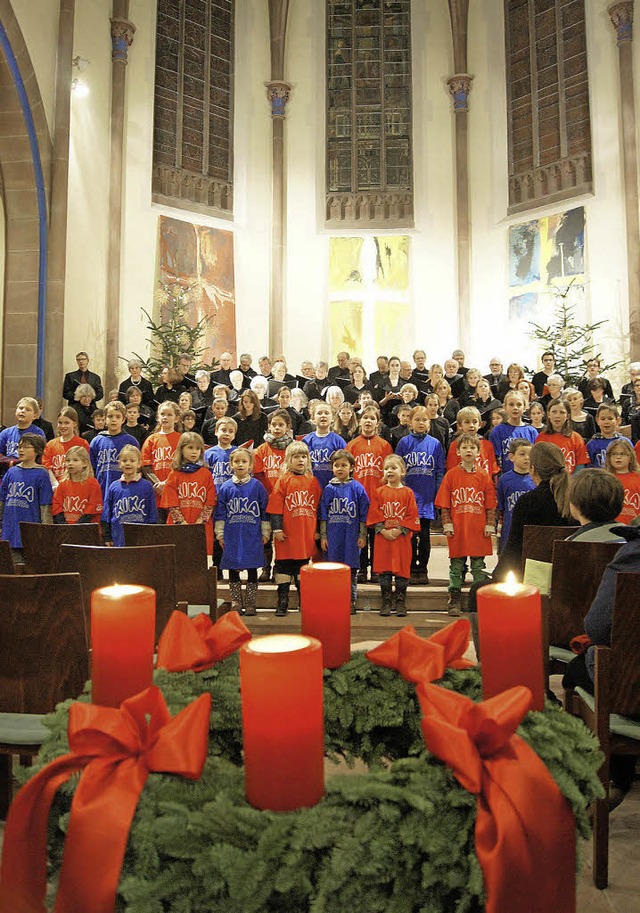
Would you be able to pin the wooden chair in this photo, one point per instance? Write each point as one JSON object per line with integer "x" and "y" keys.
{"x": 196, "y": 583}
{"x": 6, "y": 558}
{"x": 41, "y": 543}
{"x": 609, "y": 710}
{"x": 537, "y": 542}
{"x": 152, "y": 565}
{"x": 44, "y": 659}
{"x": 572, "y": 593}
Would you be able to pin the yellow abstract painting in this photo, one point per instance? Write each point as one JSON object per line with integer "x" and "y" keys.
{"x": 392, "y": 266}
{"x": 345, "y": 326}
{"x": 390, "y": 322}
{"x": 345, "y": 268}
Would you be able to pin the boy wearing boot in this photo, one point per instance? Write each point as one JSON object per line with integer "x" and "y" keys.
{"x": 468, "y": 500}
{"x": 394, "y": 513}
{"x": 268, "y": 461}
{"x": 343, "y": 517}
{"x": 293, "y": 509}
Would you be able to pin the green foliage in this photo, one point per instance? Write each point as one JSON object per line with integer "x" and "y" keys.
{"x": 173, "y": 333}
{"x": 398, "y": 839}
{"x": 571, "y": 342}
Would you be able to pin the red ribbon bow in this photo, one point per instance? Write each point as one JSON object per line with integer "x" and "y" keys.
{"x": 525, "y": 831}
{"x": 115, "y": 749}
{"x": 420, "y": 659}
{"x": 196, "y": 643}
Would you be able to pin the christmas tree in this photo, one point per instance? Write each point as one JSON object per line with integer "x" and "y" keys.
{"x": 172, "y": 334}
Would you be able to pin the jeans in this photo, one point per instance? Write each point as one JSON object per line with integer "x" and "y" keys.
{"x": 456, "y": 571}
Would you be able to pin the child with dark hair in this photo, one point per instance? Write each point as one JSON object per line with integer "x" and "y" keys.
{"x": 559, "y": 431}
{"x": 130, "y": 498}
{"x": 25, "y": 492}
{"x": 99, "y": 422}
{"x": 343, "y": 517}
{"x": 608, "y": 422}
{"x": 104, "y": 449}
{"x": 595, "y": 500}
{"x": 513, "y": 484}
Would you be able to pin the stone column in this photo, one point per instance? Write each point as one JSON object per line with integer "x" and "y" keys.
{"x": 460, "y": 86}
{"x": 57, "y": 252}
{"x": 278, "y": 92}
{"x": 622, "y": 19}
{"x": 122, "y": 32}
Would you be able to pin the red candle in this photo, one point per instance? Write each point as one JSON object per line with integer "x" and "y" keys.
{"x": 123, "y": 620}
{"x": 282, "y": 717}
{"x": 325, "y": 605}
{"x": 510, "y": 628}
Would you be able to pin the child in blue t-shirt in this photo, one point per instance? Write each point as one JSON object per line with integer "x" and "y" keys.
{"x": 343, "y": 517}
{"x": 322, "y": 443}
{"x": 217, "y": 460}
{"x": 425, "y": 461}
{"x": 105, "y": 448}
{"x": 608, "y": 422}
{"x": 513, "y": 484}
{"x": 25, "y": 492}
{"x": 511, "y": 428}
{"x": 27, "y": 410}
{"x": 130, "y": 499}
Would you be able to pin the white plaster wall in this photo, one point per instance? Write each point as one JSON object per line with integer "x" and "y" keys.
{"x": 38, "y": 20}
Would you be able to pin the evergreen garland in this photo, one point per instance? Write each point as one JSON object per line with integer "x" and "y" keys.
{"x": 398, "y": 839}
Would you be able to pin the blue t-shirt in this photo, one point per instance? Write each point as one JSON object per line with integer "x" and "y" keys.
{"x": 217, "y": 460}
{"x": 511, "y": 485}
{"x": 424, "y": 456}
{"x": 104, "y": 451}
{"x": 242, "y": 507}
{"x": 10, "y": 438}
{"x": 501, "y": 437}
{"x": 597, "y": 448}
{"x": 128, "y": 502}
{"x": 344, "y": 506}
{"x": 23, "y": 492}
{"x": 320, "y": 450}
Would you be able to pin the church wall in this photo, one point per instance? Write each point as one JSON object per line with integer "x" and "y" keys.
{"x": 38, "y": 20}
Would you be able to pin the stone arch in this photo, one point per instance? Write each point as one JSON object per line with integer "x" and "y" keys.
{"x": 25, "y": 159}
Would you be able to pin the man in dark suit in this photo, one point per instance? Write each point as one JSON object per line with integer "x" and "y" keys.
{"x": 73, "y": 379}
{"x": 377, "y": 378}
{"x": 539, "y": 379}
{"x": 244, "y": 364}
{"x": 495, "y": 376}
{"x": 342, "y": 368}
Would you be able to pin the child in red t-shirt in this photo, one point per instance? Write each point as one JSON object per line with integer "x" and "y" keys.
{"x": 189, "y": 493}
{"x": 559, "y": 431}
{"x": 621, "y": 461}
{"x": 467, "y": 497}
{"x": 293, "y": 509}
{"x": 468, "y": 421}
{"x": 55, "y": 451}
{"x": 78, "y": 497}
{"x": 394, "y": 513}
{"x": 268, "y": 461}
{"x": 158, "y": 451}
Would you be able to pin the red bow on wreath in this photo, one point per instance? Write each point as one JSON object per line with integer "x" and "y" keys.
{"x": 196, "y": 643}
{"x": 115, "y": 749}
{"x": 525, "y": 830}
{"x": 420, "y": 659}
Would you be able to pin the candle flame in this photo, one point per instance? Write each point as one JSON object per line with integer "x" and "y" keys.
{"x": 511, "y": 585}
{"x": 279, "y": 643}
{"x": 117, "y": 591}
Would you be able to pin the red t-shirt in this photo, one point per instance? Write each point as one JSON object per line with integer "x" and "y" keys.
{"x": 631, "y": 507}
{"x": 369, "y": 454}
{"x": 191, "y": 492}
{"x": 157, "y": 452}
{"x": 573, "y": 448}
{"x": 74, "y": 499}
{"x": 468, "y": 495}
{"x": 394, "y": 507}
{"x": 297, "y": 498}
{"x": 486, "y": 459}
{"x": 267, "y": 465}
{"x": 55, "y": 452}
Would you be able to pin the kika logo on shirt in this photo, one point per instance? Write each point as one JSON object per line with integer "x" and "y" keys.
{"x": 296, "y": 500}
{"x": 513, "y": 499}
{"x": 321, "y": 455}
{"x": 130, "y": 504}
{"x": 272, "y": 461}
{"x": 220, "y": 470}
{"x": 425, "y": 461}
{"x": 21, "y": 491}
{"x": 632, "y": 500}
{"x": 107, "y": 457}
{"x": 570, "y": 458}
{"x": 163, "y": 454}
{"x": 72, "y": 504}
{"x": 243, "y": 506}
{"x": 464, "y": 496}
{"x": 342, "y": 506}
{"x": 393, "y": 510}
{"x": 191, "y": 491}
{"x": 368, "y": 461}
{"x": 58, "y": 461}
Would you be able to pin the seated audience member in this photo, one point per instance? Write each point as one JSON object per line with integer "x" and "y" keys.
{"x": 515, "y": 373}
{"x": 85, "y": 405}
{"x": 358, "y": 383}
{"x": 495, "y": 376}
{"x": 41, "y": 423}
{"x": 377, "y": 377}
{"x": 252, "y": 422}
{"x": 541, "y": 378}
{"x": 172, "y": 385}
{"x": 82, "y": 376}
{"x": 341, "y": 369}
{"x": 596, "y": 499}
{"x": 582, "y": 421}
{"x": 453, "y": 377}
{"x": 222, "y": 374}
{"x": 136, "y": 379}
{"x": 555, "y": 387}
{"x": 314, "y": 389}
{"x": 597, "y": 395}
{"x": 458, "y": 354}
{"x": 593, "y": 372}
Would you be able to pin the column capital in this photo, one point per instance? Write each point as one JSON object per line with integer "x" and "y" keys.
{"x": 460, "y": 86}
{"x": 621, "y": 15}
{"x": 278, "y": 92}
{"x": 122, "y": 32}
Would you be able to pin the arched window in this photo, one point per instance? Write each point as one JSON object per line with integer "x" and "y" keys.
{"x": 369, "y": 153}
{"x": 548, "y": 101}
{"x": 193, "y": 110}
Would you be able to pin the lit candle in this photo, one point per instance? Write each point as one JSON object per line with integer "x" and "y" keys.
{"x": 123, "y": 620}
{"x": 510, "y": 628}
{"x": 282, "y": 717}
{"x": 325, "y": 605}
